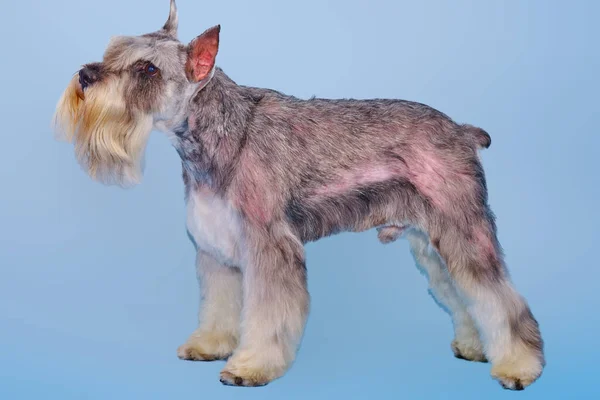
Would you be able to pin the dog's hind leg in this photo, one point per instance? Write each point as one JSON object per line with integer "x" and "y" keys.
{"x": 510, "y": 333}
{"x": 461, "y": 228}
{"x": 466, "y": 344}
{"x": 217, "y": 334}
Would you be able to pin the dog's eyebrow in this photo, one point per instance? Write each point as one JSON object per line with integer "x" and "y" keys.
{"x": 124, "y": 51}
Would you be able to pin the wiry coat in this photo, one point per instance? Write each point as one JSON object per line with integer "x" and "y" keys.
{"x": 308, "y": 161}
{"x": 318, "y": 167}
{"x": 266, "y": 172}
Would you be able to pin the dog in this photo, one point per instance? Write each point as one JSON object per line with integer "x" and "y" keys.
{"x": 265, "y": 173}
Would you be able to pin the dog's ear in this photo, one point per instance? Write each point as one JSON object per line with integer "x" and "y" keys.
{"x": 170, "y": 27}
{"x": 202, "y": 52}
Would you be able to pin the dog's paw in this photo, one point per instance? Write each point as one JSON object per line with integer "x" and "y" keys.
{"x": 252, "y": 368}
{"x": 467, "y": 350}
{"x": 207, "y": 346}
{"x": 519, "y": 373}
{"x": 247, "y": 378}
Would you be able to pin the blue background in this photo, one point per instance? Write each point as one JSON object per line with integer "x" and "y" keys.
{"x": 97, "y": 284}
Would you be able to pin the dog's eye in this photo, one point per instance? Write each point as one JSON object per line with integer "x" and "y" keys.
{"x": 151, "y": 69}
{"x": 146, "y": 67}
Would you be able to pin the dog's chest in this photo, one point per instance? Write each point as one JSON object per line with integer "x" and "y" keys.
{"x": 215, "y": 226}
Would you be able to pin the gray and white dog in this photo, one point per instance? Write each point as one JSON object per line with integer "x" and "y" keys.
{"x": 265, "y": 173}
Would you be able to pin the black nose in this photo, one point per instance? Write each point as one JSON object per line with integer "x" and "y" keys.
{"x": 88, "y": 75}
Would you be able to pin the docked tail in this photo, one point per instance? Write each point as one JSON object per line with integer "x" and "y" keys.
{"x": 480, "y": 136}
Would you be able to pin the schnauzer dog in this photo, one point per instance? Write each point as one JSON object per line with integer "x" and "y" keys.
{"x": 265, "y": 173}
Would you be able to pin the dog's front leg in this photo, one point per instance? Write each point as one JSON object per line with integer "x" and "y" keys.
{"x": 219, "y": 317}
{"x": 276, "y": 304}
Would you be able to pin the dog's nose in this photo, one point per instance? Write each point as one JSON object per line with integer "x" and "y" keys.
{"x": 87, "y": 76}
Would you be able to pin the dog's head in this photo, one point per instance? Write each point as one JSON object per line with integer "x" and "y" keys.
{"x": 143, "y": 82}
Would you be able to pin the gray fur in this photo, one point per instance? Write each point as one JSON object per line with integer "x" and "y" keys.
{"x": 279, "y": 161}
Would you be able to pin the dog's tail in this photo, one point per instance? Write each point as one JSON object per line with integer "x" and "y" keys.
{"x": 480, "y": 136}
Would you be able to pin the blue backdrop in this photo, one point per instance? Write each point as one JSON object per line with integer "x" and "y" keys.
{"x": 98, "y": 285}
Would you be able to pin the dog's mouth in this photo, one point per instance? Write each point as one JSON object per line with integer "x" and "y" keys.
{"x": 83, "y": 84}
{"x": 79, "y": 90}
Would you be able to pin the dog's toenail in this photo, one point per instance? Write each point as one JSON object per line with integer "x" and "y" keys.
{"x": 518, "y": 385}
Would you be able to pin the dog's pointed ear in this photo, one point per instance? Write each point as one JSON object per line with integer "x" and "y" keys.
{"x": 172, "y": 23}
{"x": 202, "y": 52}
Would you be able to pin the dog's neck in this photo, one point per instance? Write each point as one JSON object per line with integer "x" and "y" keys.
{"x": 211, "y": 136}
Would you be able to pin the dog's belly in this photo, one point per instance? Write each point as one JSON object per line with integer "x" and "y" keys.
{"x": 215, "y": 226}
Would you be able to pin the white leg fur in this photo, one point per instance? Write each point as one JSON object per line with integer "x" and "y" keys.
{"x": 514, "y": 364}
{"x": 276, "y": 304}
{"x": 482, "y": 319}
{"x": 466, "y": 343}
{"x": 271, "y": 333}
{"x": 219, "y": 317}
